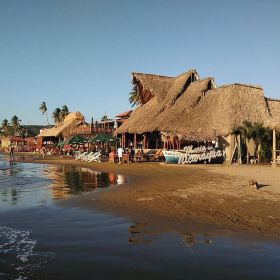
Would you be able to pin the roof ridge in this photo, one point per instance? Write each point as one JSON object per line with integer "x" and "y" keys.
{"x": 239, "y": 84}
{"x": 147, "y": 74}
{"x": 272, "y": 99}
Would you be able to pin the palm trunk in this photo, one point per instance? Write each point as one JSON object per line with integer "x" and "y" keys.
{"x": 47, "y": 118}
{"x": 248, "y": 155}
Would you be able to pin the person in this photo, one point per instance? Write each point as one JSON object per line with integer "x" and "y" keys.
{"x": 139, "y": 155}
{"x": 44, "y": 151}
{"x": 131, "y": 154}
{"x": 12, "y": 152}
{"x": 120, "y": 154}
{"x": 112, "y": 156}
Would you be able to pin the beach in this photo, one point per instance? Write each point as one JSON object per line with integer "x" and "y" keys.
{"x": 212, "y": 194}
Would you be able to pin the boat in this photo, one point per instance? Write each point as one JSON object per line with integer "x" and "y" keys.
{"x": 172, "y": 156}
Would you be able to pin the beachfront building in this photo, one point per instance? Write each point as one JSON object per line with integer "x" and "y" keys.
{"x": 122, "y": 117}
{"x": 15, "y": 141}
{"x": 74, "y": 122}
{"x": 178, "y": 111}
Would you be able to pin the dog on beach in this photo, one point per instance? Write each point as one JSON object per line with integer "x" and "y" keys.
{"x": 253, "y": 183}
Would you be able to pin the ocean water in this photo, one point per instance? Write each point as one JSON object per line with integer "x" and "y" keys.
{"x": 40, "y": 239}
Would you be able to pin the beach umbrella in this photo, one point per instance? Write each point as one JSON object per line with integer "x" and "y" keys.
{"x": 76, "y": 139}
{"x": 103, "y": 138}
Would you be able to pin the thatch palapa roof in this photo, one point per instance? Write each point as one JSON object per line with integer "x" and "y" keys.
{"x": 198, "y": 110}
{"x": 71, "y": 121}
{"x": 222, "y": 110}
{"x": 274, "y": 110}
{"x": 143, "y": 118}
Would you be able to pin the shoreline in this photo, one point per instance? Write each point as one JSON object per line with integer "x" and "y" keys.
{"x": 215, "y": 195}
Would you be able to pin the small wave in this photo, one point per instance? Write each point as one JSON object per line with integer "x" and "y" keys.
{"x": 16, "y": 248}
{"x": 18, "y": 241}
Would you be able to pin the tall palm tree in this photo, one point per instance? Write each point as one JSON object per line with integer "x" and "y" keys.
{"x": 5, "y": 124}
{"x": 63, "y": 112}
{"x": 56, "y": 115}
{"x": 44, "y": 110}
{"x": 134, "y": 97}
{"x": 15, "y": 122}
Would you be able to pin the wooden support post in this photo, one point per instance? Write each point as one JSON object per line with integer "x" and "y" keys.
{"x": 274, "y": 163}
{"x": 135, "y": 141}
{"x": 124, "y": 140}
{"x": 144, "y": 141}
{"x": 156, "y": 143}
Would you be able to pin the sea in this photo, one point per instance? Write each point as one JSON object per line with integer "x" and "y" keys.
{"x": 41, "y": 238}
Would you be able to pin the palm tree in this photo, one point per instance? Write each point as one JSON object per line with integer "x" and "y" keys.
{"x": 237, "y": 132}
{"x": 5, "y": 124}
{"x": 56, "y": 115}
{"x": 247, "y": 133}
{"x": 63, "y": 112}
{"x": 134, "y": 97}
{"x": 259, "y": 134}
{"x": 15, "y": 122}
{"x": 44, "y": 110}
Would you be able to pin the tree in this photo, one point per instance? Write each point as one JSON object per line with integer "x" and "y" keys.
{"x": 237, "y": 132}
{"x": 63, "y": 112}
{"x": 56, "y": 115}
{"x": 15, "y": 122}
{"x": 259, "y": 135}
{"x": 134, "y": 97}
{"x": 44, "y": 110}
{"x": 5, "y": 124}
{"x": 257, "y": 132}
{"x": 247, "y": 133}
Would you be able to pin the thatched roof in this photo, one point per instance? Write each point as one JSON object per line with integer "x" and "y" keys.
{"x": 71, "y": 121}
{"x": 274, "y": 110}
{"x": 197, "y": 109}
{"x": 170, "y": 119}
{"x": 150, "y": 85}
{"x": 143, "y": 118}
{"x": 223, "y": 109}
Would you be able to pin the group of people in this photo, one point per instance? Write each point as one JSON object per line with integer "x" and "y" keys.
{"x": 127, "y": 155}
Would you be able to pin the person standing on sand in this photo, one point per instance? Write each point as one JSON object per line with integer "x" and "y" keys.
{"x": 120, "y": 154}
{"x": 11, "y": 152}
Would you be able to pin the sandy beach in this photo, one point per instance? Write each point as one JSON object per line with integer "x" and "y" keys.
{"x": 212, "y": 194}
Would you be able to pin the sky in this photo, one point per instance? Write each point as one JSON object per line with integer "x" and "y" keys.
{"x": 81, "y": 52}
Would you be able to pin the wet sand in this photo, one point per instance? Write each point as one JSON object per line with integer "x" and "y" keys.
{"x": 212, "y": 194}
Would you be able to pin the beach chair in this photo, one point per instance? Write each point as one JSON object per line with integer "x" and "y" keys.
{"x": 79, "y": 155}
{"x": 95, "y": 157}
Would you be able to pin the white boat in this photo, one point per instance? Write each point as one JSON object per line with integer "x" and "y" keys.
{"x": 172, "y": 156}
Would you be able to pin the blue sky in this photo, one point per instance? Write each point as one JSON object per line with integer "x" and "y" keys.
{"x": 81, "y": 53}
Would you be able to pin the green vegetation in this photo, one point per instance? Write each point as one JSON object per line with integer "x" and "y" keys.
{"x": 44, "y": 110}
{"x": 134, "y": 97}
{"x": 59, "y": 114}
{"x": 261, "y": 137}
